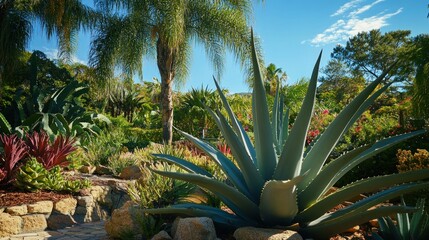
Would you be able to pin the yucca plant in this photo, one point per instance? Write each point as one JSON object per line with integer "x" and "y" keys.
{"x": 281, "y": 182}
{"x": 415, "y": 227}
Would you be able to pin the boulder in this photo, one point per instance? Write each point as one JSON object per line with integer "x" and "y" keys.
{"x": 85, "y": 201}
{"x": 102, "y": 194}
{"x": 163, "y": 235}
{"x": 40, "y": 207}
{"x": 17, "y": 210}
{"x": 252, "y": 233}
{"x": 174, "y": 226}
{"x": 131, "y": 172}
{"x": 59, "y": 221}
{"x": 87, "y": 169}
{"x": 102, "y": 170}
{"x": 34, "y": 223}
{"x": 196, "y": 228}
{"x": 9, "y": 225}
{"x": 123, "y": 219}
{"x": 66, "y": 206}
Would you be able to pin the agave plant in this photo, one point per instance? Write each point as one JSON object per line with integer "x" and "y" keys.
{"x": 279, "y": 181}
{"x": 415, "y": 227}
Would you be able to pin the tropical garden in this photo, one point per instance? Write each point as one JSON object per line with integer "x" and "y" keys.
{"x": 285, "y": 155}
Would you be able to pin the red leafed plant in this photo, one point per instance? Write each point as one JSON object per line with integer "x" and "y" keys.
{"x": 223, "y": 147}
{"x": 14, "y": 150}
{"x": 50, "y": 155}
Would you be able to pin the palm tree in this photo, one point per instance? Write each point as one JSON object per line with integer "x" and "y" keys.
{"x": 273, "y": 76}
{"x": 167, "y": 29}
{"x": 61, "y": 17}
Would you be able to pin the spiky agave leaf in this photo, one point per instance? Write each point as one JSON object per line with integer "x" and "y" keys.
{"x": 274, "y": 197}
{"x": 268, "y": 189}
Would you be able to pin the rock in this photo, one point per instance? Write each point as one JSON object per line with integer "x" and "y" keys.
{"x": 66, "y": 206}
{"x": 374, "y": 223}
{"x": 87, "y": 169}
{"x": 60, "y": 221}
{"x": 102, "y": 170}
{"x": 174, "y": 226}
{"x": 163, "y": 235}
{"x": 131, "y": 172}
{"x": 196, "y": 228}
{"x": 353, "y": 229}
{"x": 252, "y": 233}
{"x": 17, "y": 210}
{"x": 99, "y": 213}
{"x": 85, "y": 201}
{"x": 102, "y": 194}
{"x": 83, "y": 214}
{"x": 34, "y": 223}
{"x": 123, "y": 220}
{"x": 9, "y": 225}
{"x": 40, "y": 207}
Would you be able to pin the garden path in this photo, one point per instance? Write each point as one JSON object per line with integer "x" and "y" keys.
{"x": 85, "y": 231}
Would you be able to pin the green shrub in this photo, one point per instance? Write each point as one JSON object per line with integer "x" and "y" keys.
{"x": 408, "y": 161}
{"x": 105, "y": 145}
{"x": 118, "y": 162}
{"x": 154, "y": 190}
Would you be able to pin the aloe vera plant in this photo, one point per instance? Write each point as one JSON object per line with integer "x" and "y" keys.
{"x": 278, "y": 181}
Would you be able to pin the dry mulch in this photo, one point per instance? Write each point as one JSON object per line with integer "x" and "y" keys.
{"x": 11, "y": 197}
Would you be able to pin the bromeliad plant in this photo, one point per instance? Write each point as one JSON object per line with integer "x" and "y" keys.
{"x": 280, "y": 181}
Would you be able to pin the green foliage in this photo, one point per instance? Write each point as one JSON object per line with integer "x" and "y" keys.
{"x": 108, "y": 143}
{"x": 278, "y": 181}
{"x": 139, "y": 138}
{"x": 33, "y": 176}
{"x": 167, "y": 31}
{"x": 57, "y": 113}
{"x": 339, "y": 85}
{"x": 37, "y": 145}
{"x": 294, "y": 95}
{"x": 124, "y": 100}
{"x": 408, "y": 227}
{"x": 371, "y": 53}
{"x": 62, "y": 18}
{"x": 240, "y": 105}
{"x": 117, "y": 162}
{"x": 192, "y": 116}
{"x": 153, "y": 190}
{"x": 420, "y": 99}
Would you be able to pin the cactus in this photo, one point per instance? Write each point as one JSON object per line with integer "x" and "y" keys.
{"x": 279, "y": 181}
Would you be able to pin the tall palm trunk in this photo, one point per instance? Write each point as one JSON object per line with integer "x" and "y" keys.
{"x": 165, "y": 60}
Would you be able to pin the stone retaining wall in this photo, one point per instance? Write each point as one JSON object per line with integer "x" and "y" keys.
{"x": 96, "y": 205}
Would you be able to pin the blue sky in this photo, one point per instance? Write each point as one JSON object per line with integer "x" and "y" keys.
{"x": 292, "y": 31}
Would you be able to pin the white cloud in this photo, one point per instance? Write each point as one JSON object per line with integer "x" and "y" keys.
{"x": 346, "y": 7}
{"x": 352, "y": 23}
{"x": 364, "y": 8}
{"x": 53, "y": 53}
